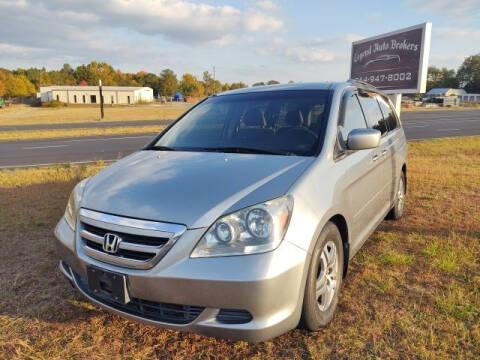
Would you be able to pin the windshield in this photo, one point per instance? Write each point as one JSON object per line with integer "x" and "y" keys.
{"x": 286, "y": 122}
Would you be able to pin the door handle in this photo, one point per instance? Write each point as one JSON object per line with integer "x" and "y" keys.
{"x": 384, "y": 152}
{"x": 375, "y": 158}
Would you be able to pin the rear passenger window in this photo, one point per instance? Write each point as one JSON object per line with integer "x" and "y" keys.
{"x": 352, "y": 119}
{"x": 372, "y": 112}
{"x": 388, "y": 114}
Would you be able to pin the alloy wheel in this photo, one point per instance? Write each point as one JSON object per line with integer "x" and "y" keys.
{"x": 327, "y": 278}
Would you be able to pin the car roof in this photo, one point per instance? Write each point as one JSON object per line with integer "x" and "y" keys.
{"x": 300, "y": 86}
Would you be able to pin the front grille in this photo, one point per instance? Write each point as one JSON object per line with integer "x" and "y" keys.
{"x": 143, "y": 242}
{"x": 130, "y": 238}
{"x": 150, "y": 310}
{"x": 127, "y": 254}
{"x": 232, "y": 316}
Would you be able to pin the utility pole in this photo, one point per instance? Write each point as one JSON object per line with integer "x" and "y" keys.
{"x": 214, "y": 83}
{"x": 101, "y": 98}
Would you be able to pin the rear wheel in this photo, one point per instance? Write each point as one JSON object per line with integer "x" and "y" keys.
{"x": 397, "y": 210}
{"x": 324, "y": 279}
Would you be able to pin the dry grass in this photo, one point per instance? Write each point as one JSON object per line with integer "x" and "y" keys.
{"x": 412, "y": 291}
{"x": 472, "y": 106}
{"x": 17, "y": 178}
{"x": 15, "y": 135}
{"x": 25, "y": 115}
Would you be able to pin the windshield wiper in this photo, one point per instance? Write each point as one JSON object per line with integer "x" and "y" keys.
{"x": 161, "y": 148}
{"x": 244, "y": 150}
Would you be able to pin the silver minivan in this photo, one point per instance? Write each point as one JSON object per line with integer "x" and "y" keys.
{"x": 239, "y": 219}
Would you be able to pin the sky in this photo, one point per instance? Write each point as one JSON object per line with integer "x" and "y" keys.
{"x": 246, "y": 40}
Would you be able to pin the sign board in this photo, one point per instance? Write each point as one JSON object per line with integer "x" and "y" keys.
{"x": 396, "y": 62}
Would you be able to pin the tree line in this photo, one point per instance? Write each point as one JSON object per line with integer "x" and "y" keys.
{"x": 467, "y": 76}
{"x": 26, "y": 82}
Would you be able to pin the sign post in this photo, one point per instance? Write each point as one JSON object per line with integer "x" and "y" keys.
{"x": 395, "y": 62}
{"x": 101, "y": 98}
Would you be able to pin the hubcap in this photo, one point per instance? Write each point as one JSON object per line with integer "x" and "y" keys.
{"x": 400, "y": 195}
{"x": 327, "y": 277}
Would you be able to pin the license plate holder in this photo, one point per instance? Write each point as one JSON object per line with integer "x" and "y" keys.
{"x": 108, "y": 284}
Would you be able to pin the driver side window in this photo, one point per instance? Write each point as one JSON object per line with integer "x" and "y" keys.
{"x": 352, "y": 119}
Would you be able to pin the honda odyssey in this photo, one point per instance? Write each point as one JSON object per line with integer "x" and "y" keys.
{"x": 239, "y": 220}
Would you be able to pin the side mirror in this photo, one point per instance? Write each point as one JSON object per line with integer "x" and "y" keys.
{"x": 360, "y": 139}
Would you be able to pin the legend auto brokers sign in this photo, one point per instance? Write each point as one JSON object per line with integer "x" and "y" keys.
{"x": 396, "y": 62}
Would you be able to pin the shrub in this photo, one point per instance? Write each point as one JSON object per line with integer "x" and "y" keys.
{"x": 54, "y": 104}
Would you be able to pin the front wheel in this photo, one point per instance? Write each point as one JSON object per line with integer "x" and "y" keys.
{"x": 397, "y": 210}
{"x": 324, "y": 279}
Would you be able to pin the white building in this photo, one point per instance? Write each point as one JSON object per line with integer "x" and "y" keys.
{"x": 470, "y": 98}
{"x": 440, "y": 92}
{"x": 91, "y": 95}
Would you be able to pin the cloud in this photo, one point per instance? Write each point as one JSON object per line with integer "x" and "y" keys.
{"x": 24, "y": 51}
{"x": 314, "y": 50}
{"x": 334, "y": 40}
{"x": 131, "y": 34}
{"x": 456, "y": 33}
{"x": 375, "y": 14}
{"x": 185, "y": 21}
{"x": 461, "y": 10}
{"x": 267, "y": 5}
{"x": 304, "y": 53}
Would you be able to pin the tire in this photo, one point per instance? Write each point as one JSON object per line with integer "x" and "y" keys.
{"x": 397, "y": 211}
{"x": 318, "y": 310}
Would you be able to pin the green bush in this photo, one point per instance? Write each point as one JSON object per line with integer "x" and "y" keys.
{"x": 54, "y": 104}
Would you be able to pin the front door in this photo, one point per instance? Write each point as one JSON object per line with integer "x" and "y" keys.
{"x": 361, "y": 177}
{"x": 375, "y": 120}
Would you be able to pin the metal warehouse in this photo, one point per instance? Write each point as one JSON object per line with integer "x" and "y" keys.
{"x": 438, "y": 92}
{"x": 91, "y": 95}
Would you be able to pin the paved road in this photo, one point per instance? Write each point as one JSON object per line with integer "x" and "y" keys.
{"x": 76, "y": 150}
{"x": 418, "y": 126}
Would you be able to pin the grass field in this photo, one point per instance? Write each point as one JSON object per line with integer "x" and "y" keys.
{"x": 26, "y": 115}
{"x": 412, "y": 291}
{"x": 472, "y": 106}
{"x": 78, "y": 132}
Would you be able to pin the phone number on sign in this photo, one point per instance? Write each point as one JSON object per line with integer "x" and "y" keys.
{"x": 383, "y": 77}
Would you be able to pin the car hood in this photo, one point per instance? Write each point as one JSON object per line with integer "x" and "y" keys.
{"x": 191, "y": 188}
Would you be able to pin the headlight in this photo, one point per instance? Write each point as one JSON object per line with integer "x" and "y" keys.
{"x": 73, "y": 202}
{"x": 252, "y": 230}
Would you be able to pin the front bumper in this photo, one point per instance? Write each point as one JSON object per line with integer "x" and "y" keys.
{"x": 268, "y": 286}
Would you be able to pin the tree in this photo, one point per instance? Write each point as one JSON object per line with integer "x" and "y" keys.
{"x": 273, "y": 82}
{"x": 66, "y": 75}
{"x": 95, "y": 71}
{"x": 168, "y": 82}
{"x": 16, "y": 85}
{"x": 226, "y": 87}
{"x": 89, "y": 74}
{"x": 208, "y": 83}
{"x": 38, "y": 77}
{"x": 148, "y": 79}
{"x": 190, "y": 86}
{"x": 237, "y": 85}
{"x": 2, "y": 83}
{"x": 217, "y": 86}
{"x": 126, "y": 79}
{"x": 468, "y": 74}
{"x": 441, "y": 78}
{"x": 261, "y": 83}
